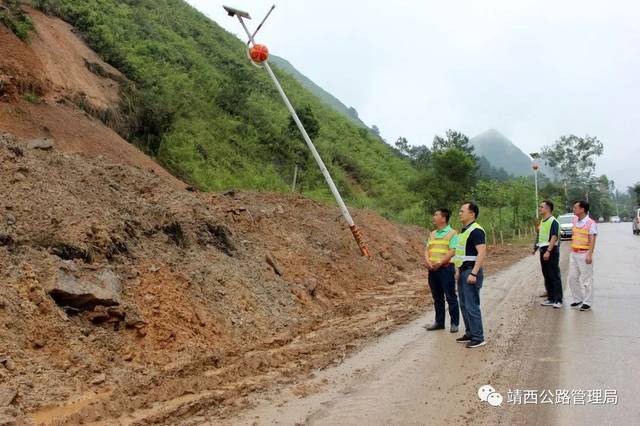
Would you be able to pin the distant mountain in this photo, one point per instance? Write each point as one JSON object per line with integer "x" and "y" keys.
{"x": 322, "y": 94}
{"x": 502, "y": 153}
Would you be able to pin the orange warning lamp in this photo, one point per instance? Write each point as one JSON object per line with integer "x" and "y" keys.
{"x": 259, "y": 53}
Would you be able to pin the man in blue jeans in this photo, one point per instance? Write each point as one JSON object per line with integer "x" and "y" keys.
{"x": 470, "y": 254}
{"x": 440, "y": 249}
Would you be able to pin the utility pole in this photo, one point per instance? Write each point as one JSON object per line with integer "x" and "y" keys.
{"x": 261, "y": 57}
{"x": 535, "y": 166}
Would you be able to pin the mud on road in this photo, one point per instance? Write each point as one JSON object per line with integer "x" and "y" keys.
{"x": 414, "y": 377}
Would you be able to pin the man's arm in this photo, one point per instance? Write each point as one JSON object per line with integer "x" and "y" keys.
{"x": 453, "y": 241}
{"x": 553, "y": 241}
{"x": 426, "y": 256}
{"x": 592, "y": 247}
{"x": 482, "y": 254}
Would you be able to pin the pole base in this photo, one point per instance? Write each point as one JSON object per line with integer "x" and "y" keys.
{"x": 357, "y": 234}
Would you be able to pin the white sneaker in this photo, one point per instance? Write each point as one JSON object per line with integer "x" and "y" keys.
{"x": 547, "y": 303}
{"x": 557, "y": 305}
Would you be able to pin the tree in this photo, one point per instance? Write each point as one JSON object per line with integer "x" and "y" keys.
{"x": 420, "y": 155}
{"x": 448, "y": 181}
{"x": 573, "y": 158}
{"x": 492, "y": 194}
{"x": 488, "y": 171}
{"x": 402, "y": 144}
{"x": 635, "y": 190}
{"x": 454, "y": 139}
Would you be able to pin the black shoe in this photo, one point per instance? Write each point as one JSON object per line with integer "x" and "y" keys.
{"x": 585, "y": 307}
{"x": 575, "y": 305}
{"x": 434, "y": 327}
{"x": 464, "y": 339}
{"x": 476, "y": 344}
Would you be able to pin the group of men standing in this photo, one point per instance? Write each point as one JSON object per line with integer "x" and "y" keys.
{"x": 583, "y": 243}
{"x": 457, "y": 259}
{"x": 455, "y": 262}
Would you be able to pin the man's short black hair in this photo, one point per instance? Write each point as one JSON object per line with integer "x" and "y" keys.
{"x": 444, "y": 212}
{"x": 473, "y": 207}
{"x": 549, "y": 204}
{"x": 582, "y": 204}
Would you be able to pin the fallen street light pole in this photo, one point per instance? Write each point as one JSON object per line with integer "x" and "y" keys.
{"x": 261, "y": 56}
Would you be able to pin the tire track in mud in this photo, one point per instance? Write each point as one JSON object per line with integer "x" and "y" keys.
{"x": 412, "y": 376}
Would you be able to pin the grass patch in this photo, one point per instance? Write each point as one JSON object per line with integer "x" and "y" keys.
{"x": 31, "y": 98}
{"x": 15, "y": 19}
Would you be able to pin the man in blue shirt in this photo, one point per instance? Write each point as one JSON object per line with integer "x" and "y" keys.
{"x": 548, "y": 239}
{"x": 471, "y": 252}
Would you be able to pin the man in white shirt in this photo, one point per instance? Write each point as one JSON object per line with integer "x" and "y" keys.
{"x": 583, "y": 244}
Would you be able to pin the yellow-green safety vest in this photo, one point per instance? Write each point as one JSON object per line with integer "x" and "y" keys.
{"x": 461, "y": 248}
{"x": 544, "y": 233}
{"x": 439, "y": 247}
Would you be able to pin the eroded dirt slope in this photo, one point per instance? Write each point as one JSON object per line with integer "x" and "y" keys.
{"x": 48, "y": 85}
{"x": 202, "y": 279}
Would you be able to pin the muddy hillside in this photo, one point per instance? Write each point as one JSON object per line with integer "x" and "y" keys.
{"x": 109, "y": 276}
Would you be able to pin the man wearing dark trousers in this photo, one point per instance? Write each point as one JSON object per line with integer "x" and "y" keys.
{"x": 548, "y": 238}
{"x": 440, "y": 249}
{"x": 470, "y": 255}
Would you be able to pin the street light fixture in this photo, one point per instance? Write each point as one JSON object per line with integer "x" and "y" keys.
{"x": 259, "y": 57}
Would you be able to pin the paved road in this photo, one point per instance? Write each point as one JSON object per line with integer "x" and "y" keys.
{"x": 414, "y": 377}
{"x": 588, "y": 350}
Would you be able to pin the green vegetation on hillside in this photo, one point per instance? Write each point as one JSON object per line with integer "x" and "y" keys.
{"x": 15, "y": 19}
{"x": 195, "y": 103}
{"x": 326, "y": 97}
{"x": 215, "y": 120}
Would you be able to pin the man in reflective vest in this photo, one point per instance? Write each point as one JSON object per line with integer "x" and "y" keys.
{"x": 440, "y": 249}
{"x": 471, "y": 252}
{"x": 548, "y": 238}
{"x": 583, "y": 243}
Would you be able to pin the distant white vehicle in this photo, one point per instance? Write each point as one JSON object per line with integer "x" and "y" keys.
{"x": 601, "y": 219}
{"x": 566, "y": 225}
{"x": 615, "y": 219}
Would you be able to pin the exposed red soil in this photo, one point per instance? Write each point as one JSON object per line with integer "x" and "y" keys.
{"x": 222, "y": 294}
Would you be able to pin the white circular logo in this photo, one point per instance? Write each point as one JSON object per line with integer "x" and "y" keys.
{"x": 484, "y": 392}
{"x": 494, "y": 399}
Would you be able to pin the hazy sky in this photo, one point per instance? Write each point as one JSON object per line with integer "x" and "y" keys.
{"x": 534, "y": 70}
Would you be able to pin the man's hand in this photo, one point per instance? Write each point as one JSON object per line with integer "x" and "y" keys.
{"x": 436, "y": 266}
{"x": 471, "y": 279}
{"x": 546, "y": 256}
{"x": 589, "y": 259}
